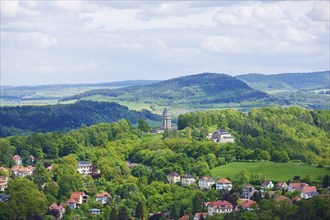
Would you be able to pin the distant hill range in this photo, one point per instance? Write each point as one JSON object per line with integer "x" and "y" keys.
{"x": 26, "y": 119}
{"x": 288, "y": 81}
{"x": 205, "y": 88}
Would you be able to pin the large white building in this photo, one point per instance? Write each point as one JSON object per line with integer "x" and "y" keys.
{"x": 84, "y": 167}
{"x": 206, "y": 182}
{"x": 224, "y": 184}
{"x": 221, "y": 136}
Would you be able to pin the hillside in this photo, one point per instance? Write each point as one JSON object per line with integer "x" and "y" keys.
{"x": 200, "y": 89}
{"x": 288, "y": 81}
{"x": 26, "y": 119}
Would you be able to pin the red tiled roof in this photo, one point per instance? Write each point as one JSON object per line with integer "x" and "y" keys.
{"x": 220, "y": 203}
{"x": 247, "y": 203}
{"x": 71, "y": 201}
{"x": 223, "y": 180}
{"x": 309, "y": 189}
{"x": 298, "y": 186}
{"x": 3, "y": 169}
{"x": 198, "y": 215}
{"x": 102, "y": 194}
{"x": 76, "y": 195}
{"x": 53, "y": 206}
{"x": 16, "y": 157}
{"x": 282, "y": 198}
{"x": 185, "y": 217}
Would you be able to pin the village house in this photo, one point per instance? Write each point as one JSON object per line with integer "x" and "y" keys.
{"x": 247, "y": 205}
{"x": 85, "y": 167}
{"x": 309, "y": 192}
{"x": 56, "y": 211}
{"x": 296, "y": 186}
{"x": 3, "y": 183}
{"x": 22, "y": 171}
{"x": 32, "y": 158}
{"x": 224, "y": 184}
{"x": 282, "y": 185}
{"x": 103, "y": 197}
{"x": 173, "y": 177}
{"x": 185, "y": 217}
{"x": 18, "y": 160}
{"x": 197, "y": 215}
{"x": 187, "y": 180}
{"x": 4, "y": 198}
{"x": 95, "y": 211}
{"x": 267, "y": 184}
{"x": 78, "y": 197}
{"x": 3, "y": 169}
{"x": 248, "y": 191}
{"x": 206, "y": 182}
{"x": 221, "y": 136}
{"x": 219, "y": 207}
{"x": 72, "y": 203}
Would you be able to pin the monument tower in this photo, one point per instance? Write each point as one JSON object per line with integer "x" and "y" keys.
{"x": 166, "y": 120}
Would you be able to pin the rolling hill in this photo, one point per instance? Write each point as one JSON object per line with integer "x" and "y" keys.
{"x": 192, "y": 90}
{"x": 288, "y": 81}
{"x": 26, "y": 119}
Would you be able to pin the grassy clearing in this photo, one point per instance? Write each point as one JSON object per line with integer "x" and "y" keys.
{"x": 149, "y": 137}
{"x": 272, "y": 171}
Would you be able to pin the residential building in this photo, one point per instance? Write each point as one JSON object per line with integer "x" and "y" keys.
{"x": 218, "y": 207}
{"x": 282, "y": 185}
{"x": 22, "y": 171}
{"x": 103, "y": 197}
{"x": 78, "y": 197}
{"x": 221, "y": 136}
{"x": 173, "y": 177}
{"x": 296, "y": 186}
{"x": 56, "y": 211}
{"x": 185, "y": 217}
{"x": 267, "y": 184}
{"x": 224, "y": 184}
{"x": 4, "y": 198}
{"x": 309, "y": 192}
{"x": 84, "y": 167}
{"x": 187, "y": 180}
{"x": 72, "y": 203}
{"x": 32, "y": 158}
{"x": 95, "y": 211}
{"x": 18, "y": 160}
{"x": 3, "y": 183}
{"x": 248, "y": 191}
{"x": 197, "y": 215}
{"x": 206, "y": 182}
{"x": 247, "y": 205}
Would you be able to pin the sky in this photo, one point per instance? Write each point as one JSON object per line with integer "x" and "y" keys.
{"x": 68, "y": 42}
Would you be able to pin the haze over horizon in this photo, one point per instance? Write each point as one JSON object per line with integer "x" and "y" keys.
{"x": 70, "y": 42}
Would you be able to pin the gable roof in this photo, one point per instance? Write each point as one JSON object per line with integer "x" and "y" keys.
{"x": 309, "y": 189}
{"x": 223, "y": 180}
{"x": 173, "y": 173}
{"x": 247, "y": 203}
{"x": 220, "y": 203}
{"x": 207, "y": 179}
{"x": 102, "y": 194}
{"x": 297, "y": 186}
{"x": 280, "y": 184}
{"x": 185, "y": 217}
{"x": 71, "y": 201}
{"x": 76, "y": 195}
{"x": 266, "y": 183}
{"x": 188, "y": 176}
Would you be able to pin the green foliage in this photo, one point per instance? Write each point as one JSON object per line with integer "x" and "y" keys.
{"x": 65, "y": 117}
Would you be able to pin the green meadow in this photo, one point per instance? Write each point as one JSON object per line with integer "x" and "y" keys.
{"x": 271, "y": 170}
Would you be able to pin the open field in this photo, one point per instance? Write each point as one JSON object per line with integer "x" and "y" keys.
{"x": 272, "y": 171}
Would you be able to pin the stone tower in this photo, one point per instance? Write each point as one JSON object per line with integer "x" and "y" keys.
{"x": 166, "y": 119}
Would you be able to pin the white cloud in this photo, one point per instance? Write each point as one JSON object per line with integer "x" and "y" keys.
{"x": 37, "y": 40}
{"x": 320, "y": 11}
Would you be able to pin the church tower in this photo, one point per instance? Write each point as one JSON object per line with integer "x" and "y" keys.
{"x": 166, "y": 120}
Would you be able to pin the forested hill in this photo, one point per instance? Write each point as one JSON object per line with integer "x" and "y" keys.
{"x": 205, "y": 88}
{"x": 298, "y": 81}
{"x": 25, "y": 119}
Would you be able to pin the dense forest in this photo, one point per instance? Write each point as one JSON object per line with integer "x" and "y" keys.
{"x": 278, "y": 134}
{"x": 27, "y": 119}
{"x": 206, "y": 88}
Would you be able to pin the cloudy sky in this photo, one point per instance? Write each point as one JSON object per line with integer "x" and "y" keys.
{"x": 50, "y": 42}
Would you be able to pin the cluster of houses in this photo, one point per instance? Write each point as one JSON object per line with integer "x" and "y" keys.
{"x": 245, "y": 203}
{"x": 76, "y": 199}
